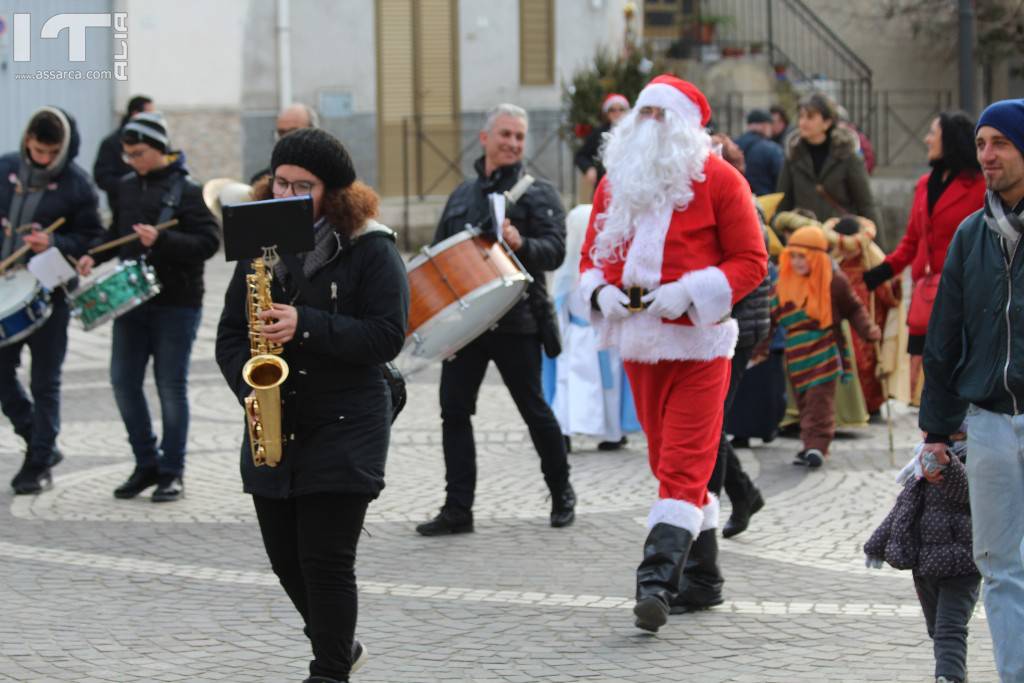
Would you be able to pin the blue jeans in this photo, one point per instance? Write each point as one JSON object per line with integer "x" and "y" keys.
{"x": 166, "y": 334}
{"x": 37, "y": 420}
{"x": 995, "y": 473}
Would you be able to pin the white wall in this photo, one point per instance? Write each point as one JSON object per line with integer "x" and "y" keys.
{"x": 185, "y": 54}
{"x": 489, "y": 49}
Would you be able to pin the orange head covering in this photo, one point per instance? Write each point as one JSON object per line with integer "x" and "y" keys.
{"x": 813, "y": 292}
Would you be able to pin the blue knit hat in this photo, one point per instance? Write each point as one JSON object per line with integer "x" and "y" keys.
{"x": 1006, "y": 116}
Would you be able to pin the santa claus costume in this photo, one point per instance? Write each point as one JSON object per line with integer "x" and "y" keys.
{"x": 673, "y": 242}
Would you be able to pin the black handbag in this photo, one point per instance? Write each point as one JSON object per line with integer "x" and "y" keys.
{"x": 396, "y": 384}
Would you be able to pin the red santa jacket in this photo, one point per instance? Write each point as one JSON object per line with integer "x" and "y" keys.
{"x": 714, "y": 245}
{"x": 964, "y": 196}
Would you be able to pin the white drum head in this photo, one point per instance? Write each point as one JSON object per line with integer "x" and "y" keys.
{"x": 17, "y": 288}
{"x": 459, "y": 324}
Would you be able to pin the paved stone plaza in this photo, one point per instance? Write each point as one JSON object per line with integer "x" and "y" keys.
{"x": 96, "y": 589}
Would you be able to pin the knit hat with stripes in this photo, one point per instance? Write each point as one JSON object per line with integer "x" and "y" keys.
{"x": 148, "y": 127}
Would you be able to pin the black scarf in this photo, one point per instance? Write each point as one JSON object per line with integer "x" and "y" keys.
{"x": 939, "y": 179}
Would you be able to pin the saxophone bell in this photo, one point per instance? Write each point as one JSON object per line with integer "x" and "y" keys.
{"x": 265, "y": 373}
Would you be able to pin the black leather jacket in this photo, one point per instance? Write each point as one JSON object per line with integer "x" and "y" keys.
{"x": 539, "y": 217}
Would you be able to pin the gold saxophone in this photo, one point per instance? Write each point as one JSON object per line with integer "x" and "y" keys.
{"x": 264, "y": 372}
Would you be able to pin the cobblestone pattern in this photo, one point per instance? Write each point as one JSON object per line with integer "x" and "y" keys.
{"x": 95, "y": 589}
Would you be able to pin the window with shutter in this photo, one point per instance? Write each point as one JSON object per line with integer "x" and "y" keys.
{"x": 537, "y": 42}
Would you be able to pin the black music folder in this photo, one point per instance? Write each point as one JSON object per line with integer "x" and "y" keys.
{"x": 285, "y": 224}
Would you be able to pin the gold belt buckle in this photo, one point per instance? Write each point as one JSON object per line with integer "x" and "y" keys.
{"x": 635, "y": 295}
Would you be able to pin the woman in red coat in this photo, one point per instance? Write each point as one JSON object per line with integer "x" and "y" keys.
{"x": 943, "y": 198}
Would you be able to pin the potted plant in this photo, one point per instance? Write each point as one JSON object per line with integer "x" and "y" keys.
{"x": 709, "y": 23}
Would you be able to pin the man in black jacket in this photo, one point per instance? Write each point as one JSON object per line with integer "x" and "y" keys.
{"x": 110, "y": 168}
{"x": 535, "y": 231}
{"x": 974, "y": 366}
{"x": 164, "y": 327}
{"x": 45, "y": 184}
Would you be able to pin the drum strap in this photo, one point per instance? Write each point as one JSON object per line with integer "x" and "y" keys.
{"x": 170, "y": 201}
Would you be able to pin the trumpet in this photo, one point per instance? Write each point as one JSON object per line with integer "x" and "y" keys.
{"x": 265, "y": 372}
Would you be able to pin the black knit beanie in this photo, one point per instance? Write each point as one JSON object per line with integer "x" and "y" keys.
{"x": 317, "y": 151}
{"x": 848, "y": 225}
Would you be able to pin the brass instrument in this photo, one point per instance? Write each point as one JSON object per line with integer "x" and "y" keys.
{"x": 264, "y": 372}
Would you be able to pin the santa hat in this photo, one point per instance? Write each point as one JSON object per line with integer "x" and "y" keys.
{"x": 611, "y": 100}
{"x": 677, "y": 96}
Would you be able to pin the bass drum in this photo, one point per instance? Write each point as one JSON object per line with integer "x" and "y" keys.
{"x": 459, "y": 288}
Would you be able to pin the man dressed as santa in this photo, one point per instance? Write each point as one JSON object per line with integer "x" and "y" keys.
{"x": 673, "y": 242}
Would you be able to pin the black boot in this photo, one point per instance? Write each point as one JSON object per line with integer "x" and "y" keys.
{"x": 451, "y": 520}
{"x": 742, "y": 509}
{"x": 33, "y": 478}
{"x": 701, "y": 584}
{"x": 140, "y": 480}
{"x": 563, "y": 507}
{"x": 657, "y": 577}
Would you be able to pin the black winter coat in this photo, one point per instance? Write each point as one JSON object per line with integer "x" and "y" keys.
{"x": 974, "y": 350}
{"x": 588, "y": 156}
{"x": 929, "y": 528}
{"x": 179, "y": 253}
{"x": 753, "y": 314}
{"x": 109, "y": 168}
{"x": 540, "y": 219}
{"x": 336, "y": 404}
{"x": 73, "y": 198}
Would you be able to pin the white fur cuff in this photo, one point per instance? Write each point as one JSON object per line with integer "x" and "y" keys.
{"x": 589, "y": 281}
{"x": 711, "y": 294}
{"x": 711, "y": 510}
{"x": 678, "y": 513}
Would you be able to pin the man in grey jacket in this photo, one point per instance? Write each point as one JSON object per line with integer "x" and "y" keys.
{"x": 974, "y": 365}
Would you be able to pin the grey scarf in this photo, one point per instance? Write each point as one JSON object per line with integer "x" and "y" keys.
{"x": 31, "y": 186}
{"x": 1007, "y": 225}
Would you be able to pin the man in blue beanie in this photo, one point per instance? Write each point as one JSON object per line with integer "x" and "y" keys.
{"x": 974, "y": 366}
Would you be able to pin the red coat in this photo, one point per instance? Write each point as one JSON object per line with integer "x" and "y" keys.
{"x": 964, "y": 196}
{"x": 715, "y": 245}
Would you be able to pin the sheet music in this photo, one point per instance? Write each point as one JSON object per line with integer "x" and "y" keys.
{"x": 51, "y": 268}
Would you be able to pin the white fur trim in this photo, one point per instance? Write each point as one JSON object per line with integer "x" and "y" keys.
{"x": 711, "y": 510}
{"x": 646, "y": 339}
{"x": 668, "y": 97}
{"x": 647, "y": 250}
{"x": 589, "y": 281}
{"x": 678, "y": 513}
{"x": 711, "y": 294}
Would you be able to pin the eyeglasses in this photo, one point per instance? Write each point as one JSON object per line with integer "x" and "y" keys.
{"x": 128, "y": 157}
{"x": 298, "y": 187}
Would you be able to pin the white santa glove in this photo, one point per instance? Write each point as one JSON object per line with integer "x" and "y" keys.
{"x": 668, "y": 301}
{"x": 613, "y": 301}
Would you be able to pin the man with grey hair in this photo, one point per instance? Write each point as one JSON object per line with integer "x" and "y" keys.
{"x": 535, "y": 230}
{"x": 295, "y": 117}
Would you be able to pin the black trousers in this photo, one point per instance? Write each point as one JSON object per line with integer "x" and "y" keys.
{"x": 728, "y": 470}
{"x": 311, "y": 542}
{"x": 948, "y": 604}
{"x": 518, "y": 360}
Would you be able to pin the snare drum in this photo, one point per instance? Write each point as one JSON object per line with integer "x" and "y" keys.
{"x": 459, "y": 288}
{"x": 113, "y": 291}
{"x": 24, "y": 306}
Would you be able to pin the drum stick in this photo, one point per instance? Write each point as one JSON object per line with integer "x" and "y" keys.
{"x": 24, "y": 249}
{"x": 130, "y": 238}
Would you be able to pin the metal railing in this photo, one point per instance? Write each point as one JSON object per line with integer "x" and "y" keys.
{"x": 790, "y": 34}
{"x": 902, "y": 118}
{"x": 438, "y": 153}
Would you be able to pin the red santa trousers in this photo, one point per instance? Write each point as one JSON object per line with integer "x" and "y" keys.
{"x": 680, "y": 405}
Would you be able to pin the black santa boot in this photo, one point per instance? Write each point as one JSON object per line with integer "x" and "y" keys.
{"x": 701, "y": 583}
{"x": 657, "y": 577}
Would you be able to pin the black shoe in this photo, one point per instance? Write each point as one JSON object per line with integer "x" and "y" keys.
{"x": 658, "y": 576}
{"x": 169, "y": 491}
{"x": 321, "y": 679}
{"x": 449, "y": 521}
{"x": 700, "y": 587}
{"x": 814, "y": 458}
{"x": 740, "y": 442}
{"x": 771, "y": 437}
{"x": 140, "y": 480}
{"x": 563, "y": 507}
{"x": 32, "y": 479}
{"x": 741, "y": 513}
{"x": 801, "y": 459}
{"x": 612, "y": 445}
{"x": 359, "y": 656}
{"x": 56, "y": 457}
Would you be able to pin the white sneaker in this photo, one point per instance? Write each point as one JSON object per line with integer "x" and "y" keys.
{"x": 359, "y": 656}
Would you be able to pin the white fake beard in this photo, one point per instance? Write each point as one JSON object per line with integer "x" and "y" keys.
{"x": 651, "y": 165}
